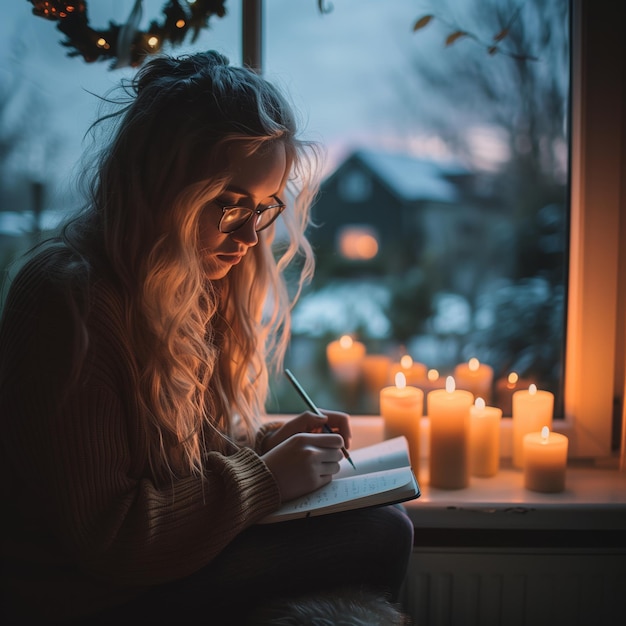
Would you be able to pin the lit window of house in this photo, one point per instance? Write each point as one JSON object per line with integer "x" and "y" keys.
{"x": 357, "y": 243}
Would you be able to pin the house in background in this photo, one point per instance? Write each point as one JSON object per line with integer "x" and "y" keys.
{"x": 382, "y": 213}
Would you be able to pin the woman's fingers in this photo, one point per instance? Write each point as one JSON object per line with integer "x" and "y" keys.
{"x": 309, "y": 422}
{"x": 328, "y": 469}
{"x": 304, "y": 462}
{"x": 339, "y": 422}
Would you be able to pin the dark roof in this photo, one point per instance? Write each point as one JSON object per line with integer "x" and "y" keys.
{"x": 407, "y": 176}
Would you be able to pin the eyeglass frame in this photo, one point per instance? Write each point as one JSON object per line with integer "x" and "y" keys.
{"x": 252, "y": 212}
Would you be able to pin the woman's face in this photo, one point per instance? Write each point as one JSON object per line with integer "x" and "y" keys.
{"x": 256, "y": 179}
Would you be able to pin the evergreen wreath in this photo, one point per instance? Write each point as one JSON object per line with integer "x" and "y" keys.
{"x": 126, "y": 44}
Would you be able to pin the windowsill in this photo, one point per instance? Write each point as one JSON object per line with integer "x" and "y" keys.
{"x": 594, "y": 496}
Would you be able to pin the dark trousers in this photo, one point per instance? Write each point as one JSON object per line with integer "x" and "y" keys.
{"x": 369, "y": 549}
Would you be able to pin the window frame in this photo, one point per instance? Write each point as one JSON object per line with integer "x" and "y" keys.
{"x": 595, "y": 352}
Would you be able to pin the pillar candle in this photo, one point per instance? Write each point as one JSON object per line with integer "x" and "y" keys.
{"x": 545, "y": 459}
{"x": 448, "y": 412}
{"x": 484, "y": 439}
{"x": 476, "y": 377}
{"x": 344, "y": 358}
{"x": 532, "y": 409}
{"x": 375, "y": 369}
{"x": 415, "y": 373}
{"x": 401, "y": 409}
{"x": 505, "y": 388}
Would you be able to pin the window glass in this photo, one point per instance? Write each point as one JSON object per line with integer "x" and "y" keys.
{"x": 47, "y": 101}
{"x": 444, "y": 209}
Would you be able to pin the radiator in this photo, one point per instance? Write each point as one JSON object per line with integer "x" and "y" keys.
{"x": 515, "y": 587}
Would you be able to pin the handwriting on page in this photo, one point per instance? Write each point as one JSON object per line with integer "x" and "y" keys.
{"x": 345, "y": 489}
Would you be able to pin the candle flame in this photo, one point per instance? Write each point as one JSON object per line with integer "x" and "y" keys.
{"x": 473, "y": 364}
{"x": 400, "y": 380}
{"x": 345, "y": 342}
{"x": 406, "y": 362}
{"x": 532, "y": 390}
{"x": 513, "y": 378}
{"x": 480, "y": 403}
{"x": 545, "y": 433}
{"x": 450, "y": 384}
{"x": 432, "y": 374}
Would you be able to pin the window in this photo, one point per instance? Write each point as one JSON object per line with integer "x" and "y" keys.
{"x": 594, "y": 362}
{"x": 458, "y": 159}
{"x": 47, "y": 102}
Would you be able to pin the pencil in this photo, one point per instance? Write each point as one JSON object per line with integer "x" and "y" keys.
{"x": 305, "y": 396}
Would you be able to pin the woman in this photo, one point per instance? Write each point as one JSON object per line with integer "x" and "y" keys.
{"x": 134, "y": 370}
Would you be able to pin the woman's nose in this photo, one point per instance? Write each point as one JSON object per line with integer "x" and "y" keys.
{"x": 247, "y": 234}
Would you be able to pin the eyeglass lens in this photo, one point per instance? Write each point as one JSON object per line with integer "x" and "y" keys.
{"x": 236, "y": 217}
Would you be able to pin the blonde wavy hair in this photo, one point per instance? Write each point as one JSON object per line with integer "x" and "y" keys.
{"x": 204, "y": 349}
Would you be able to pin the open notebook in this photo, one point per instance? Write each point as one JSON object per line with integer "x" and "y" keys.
{"x": 383, "y": 475}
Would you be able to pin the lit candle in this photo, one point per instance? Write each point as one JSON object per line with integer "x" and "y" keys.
{"x": 484, "y": 439}
{"x": 545, "y": 459}
{"x": 344, "y": 358}
{"x": 532, "y": 409}
{"x": 476, "y": 377}
{"x": 432, "y": 381}
{"x": 415, "y": 373}
{"x": 375, "y": 368}
{"x": 401, "y": 409}
{"x": 505, "y": 388}
{"x": 448, "y": 411}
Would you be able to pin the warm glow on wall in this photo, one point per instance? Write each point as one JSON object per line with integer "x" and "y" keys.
{"x": 358, "y": 243}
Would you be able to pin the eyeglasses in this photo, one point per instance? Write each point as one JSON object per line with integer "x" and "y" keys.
{"x": 235, "y": 217}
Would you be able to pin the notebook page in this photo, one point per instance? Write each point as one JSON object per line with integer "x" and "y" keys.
{"x": 341, "y": 490}
{"x": 381, "y": 456}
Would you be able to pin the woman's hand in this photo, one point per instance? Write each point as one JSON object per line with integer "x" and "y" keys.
{"x": 301, "y": 456}
{"x": 304, "y": 462}
{"x": 309, "y": 422}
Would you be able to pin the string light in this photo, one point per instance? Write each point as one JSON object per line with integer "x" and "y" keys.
{"x": 180, "y": 19}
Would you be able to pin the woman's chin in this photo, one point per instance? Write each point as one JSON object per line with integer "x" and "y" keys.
{"x": 217, "y": 271}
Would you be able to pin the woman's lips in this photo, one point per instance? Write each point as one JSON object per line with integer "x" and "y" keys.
{"x": 232, "y": 259}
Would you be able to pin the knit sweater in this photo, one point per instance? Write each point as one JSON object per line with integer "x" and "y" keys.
{"x": 85, "y": 526}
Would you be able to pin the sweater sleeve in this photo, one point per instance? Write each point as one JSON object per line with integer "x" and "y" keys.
{"x": 79, "y": 496}
{"x": 131, "y": 531}
{"x": 128, "y": 530}
{"x": 265, "y": 431}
